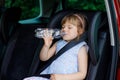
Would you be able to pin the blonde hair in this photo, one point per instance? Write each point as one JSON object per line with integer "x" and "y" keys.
{"x": 78, "y": 20}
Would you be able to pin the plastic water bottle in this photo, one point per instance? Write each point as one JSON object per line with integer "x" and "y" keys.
{"x": 56, "y": 33}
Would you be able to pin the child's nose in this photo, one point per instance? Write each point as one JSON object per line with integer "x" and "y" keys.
{"x": 65, "y": 29}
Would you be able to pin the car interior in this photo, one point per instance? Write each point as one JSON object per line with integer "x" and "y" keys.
{"x": 20, "y": 48}
{"x": 9, "y": 21}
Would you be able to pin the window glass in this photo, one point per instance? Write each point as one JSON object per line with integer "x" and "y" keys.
{"x": 30, "y": 8}
{"x": 86, "y": 4}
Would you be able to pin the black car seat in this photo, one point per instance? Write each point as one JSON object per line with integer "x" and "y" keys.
{"x": 2, "y": 9}
{"x": 98, "y": 41}
{"x": 99, "y": 44}
{"x": 22, "y": 55}
{"x": 8, "y": 20}
{"x": 21, "y": 47}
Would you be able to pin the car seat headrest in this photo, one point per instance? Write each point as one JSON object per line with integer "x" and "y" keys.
{"x": 93, "y": 21}
{"x": 8, "y": 21}
{"x": 55, "y": 21}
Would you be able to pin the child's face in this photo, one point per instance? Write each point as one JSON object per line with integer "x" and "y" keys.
{"x": 70, "y": 31}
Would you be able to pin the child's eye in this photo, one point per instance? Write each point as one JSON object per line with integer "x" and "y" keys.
{"x": 69, "y": 27}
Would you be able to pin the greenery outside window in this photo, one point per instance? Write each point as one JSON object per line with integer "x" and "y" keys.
{"x": 30, "y": 8}
{"x": 86, "y": 4}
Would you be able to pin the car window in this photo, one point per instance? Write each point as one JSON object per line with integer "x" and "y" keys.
{"x": 86, "y": 4}
{"x": 30, "y": 8}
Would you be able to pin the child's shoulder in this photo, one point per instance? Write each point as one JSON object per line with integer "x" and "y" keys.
{"x": 82, "y": 43}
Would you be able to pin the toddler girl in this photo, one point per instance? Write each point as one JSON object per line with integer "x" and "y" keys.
{"x": 72, "y": 64}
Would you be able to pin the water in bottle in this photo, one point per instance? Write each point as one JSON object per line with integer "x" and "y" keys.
{"x": 56, "y": 33}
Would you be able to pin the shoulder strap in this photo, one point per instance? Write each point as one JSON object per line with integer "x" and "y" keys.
{"x": 65, "y": 48}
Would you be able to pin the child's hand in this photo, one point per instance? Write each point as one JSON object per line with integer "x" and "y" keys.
{"x": 52, "y": 77}
{"x": 47, "y": 37}
{"x": 57, "y": 77}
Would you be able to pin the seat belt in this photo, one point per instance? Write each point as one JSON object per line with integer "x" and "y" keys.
{"x": 60, "y": 52}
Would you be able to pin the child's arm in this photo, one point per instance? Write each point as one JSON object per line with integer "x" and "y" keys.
{"x": 82, "y": 62}
{"x": 47, "y": 51}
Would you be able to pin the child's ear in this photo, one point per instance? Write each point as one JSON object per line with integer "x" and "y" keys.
{"x": 81, "y": 31}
